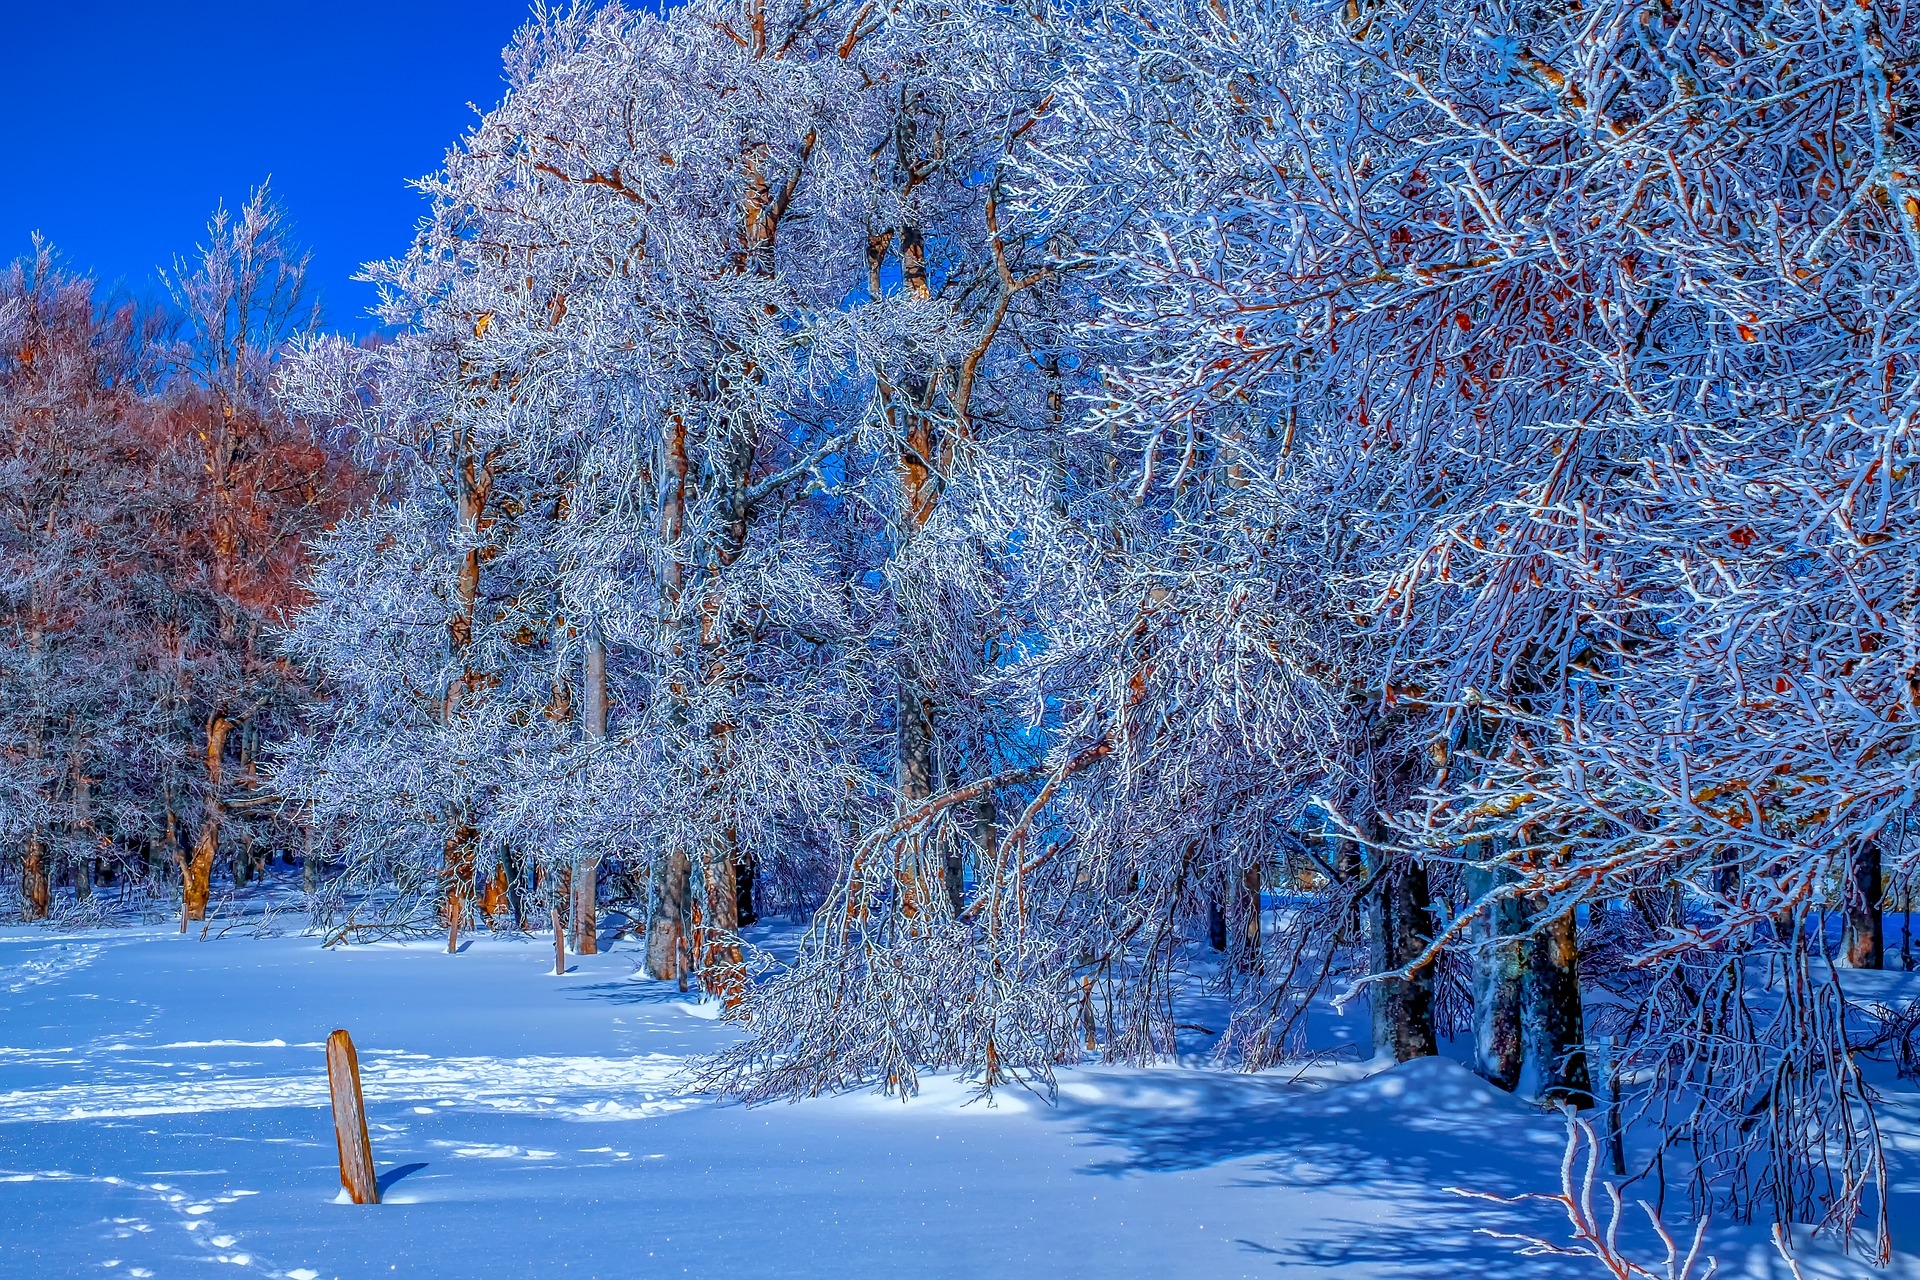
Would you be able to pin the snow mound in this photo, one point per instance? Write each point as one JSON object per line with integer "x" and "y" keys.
{"x": 1424, "y": 1091}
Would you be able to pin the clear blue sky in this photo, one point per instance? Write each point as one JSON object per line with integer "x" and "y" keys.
{"x": 127, "y": 121}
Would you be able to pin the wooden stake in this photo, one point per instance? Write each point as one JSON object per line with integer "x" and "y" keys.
{"x": 350, "y": 1120}
{"x": 559, "y": 946}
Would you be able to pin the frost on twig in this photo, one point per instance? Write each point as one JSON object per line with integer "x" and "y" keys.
{"x": 1594, "y": 1238}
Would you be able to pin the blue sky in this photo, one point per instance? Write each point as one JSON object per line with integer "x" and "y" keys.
{"x": 128, "y": 121}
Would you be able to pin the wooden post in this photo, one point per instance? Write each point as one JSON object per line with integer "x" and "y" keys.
{"x": 559, "y": 945}
{"x": 350, "y": 1120}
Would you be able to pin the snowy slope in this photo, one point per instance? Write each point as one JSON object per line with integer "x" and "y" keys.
{"x": 162, "y": 1113}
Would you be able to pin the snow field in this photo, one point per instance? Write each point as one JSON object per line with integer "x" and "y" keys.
{"x": 163, "y": 1113}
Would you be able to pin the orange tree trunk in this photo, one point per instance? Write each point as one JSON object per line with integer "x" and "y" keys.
{"x": 457, "y": 872}
{"x": 493, "y": 901}
{"x": 722, "y": 969}
{"x": 34, "y": 893}
{"x": 196, "y": 873}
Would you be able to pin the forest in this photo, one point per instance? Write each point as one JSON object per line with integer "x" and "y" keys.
{"x": 1405, "y": 507}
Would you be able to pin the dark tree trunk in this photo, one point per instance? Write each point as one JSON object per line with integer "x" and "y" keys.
{"x": 1402, "y": 925}
{"x": 1499, "y": 980}
{"x": 743, "y": 874}
{"x": 1399, "y": 920}
{"x": 1863, "y": 941}
{"x": 1553, "y": 1025}
{"x": 986, "y": 835}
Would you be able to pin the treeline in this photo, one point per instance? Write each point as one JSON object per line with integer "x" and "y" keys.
{"x": 1024, "y": 486}
{"x": 157, "y": 507}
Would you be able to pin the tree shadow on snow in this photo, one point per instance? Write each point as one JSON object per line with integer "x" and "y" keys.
{"x": 1372, "y": 1160}
{"x": 636, "y": 990}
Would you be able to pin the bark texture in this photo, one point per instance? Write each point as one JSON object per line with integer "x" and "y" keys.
{"x": 1553, "y": 1023}
{"x": 1863, "y": 941}
{"x": 722, "y": 967}
{"x": 1401, "y": 923}
{"x": 586, "y": 878}
{"x": 669, "y": 881}
{"x": 670, "y": 891}
{"x": 586, "y": 900}
{"x": 1499, "y": 981}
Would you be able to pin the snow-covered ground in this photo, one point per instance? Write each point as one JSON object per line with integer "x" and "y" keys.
{"x": 163, "y": 1113}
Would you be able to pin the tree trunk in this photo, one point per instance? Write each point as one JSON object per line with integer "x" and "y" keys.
{"x": 594, "y": 662}
{"x": 1553, "y": 1025}
{"x": 722, "y": 967}
{"x": 1251, "y": 932}
{"x": 1402, "y": 925}
{"x": 82, "y": 820}
{"x": 1499, "y": 978}
{"x": 743, "y": 905}
{"x": 35, "y": 893}
{"x": 917, "y": 438}
{"x": 669, "y": 886}
{"x": 1863, "y": 940}
{"x": 473, "y": 485}
{"x": 714, "y": 914}
{"x": 670, "y": 891}
{"x": 986, "y": 837}
{"x": 913, "y": 763}
{"x": 584, "y": 891}
{"x": 196, "y": 873}
{"x": 520, "y": 884}
{"x": 493, "y": 899}
{"x": 1399, "y": 921}
{"x": 586, "y": 877}
{"x": 457, "y": 881}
